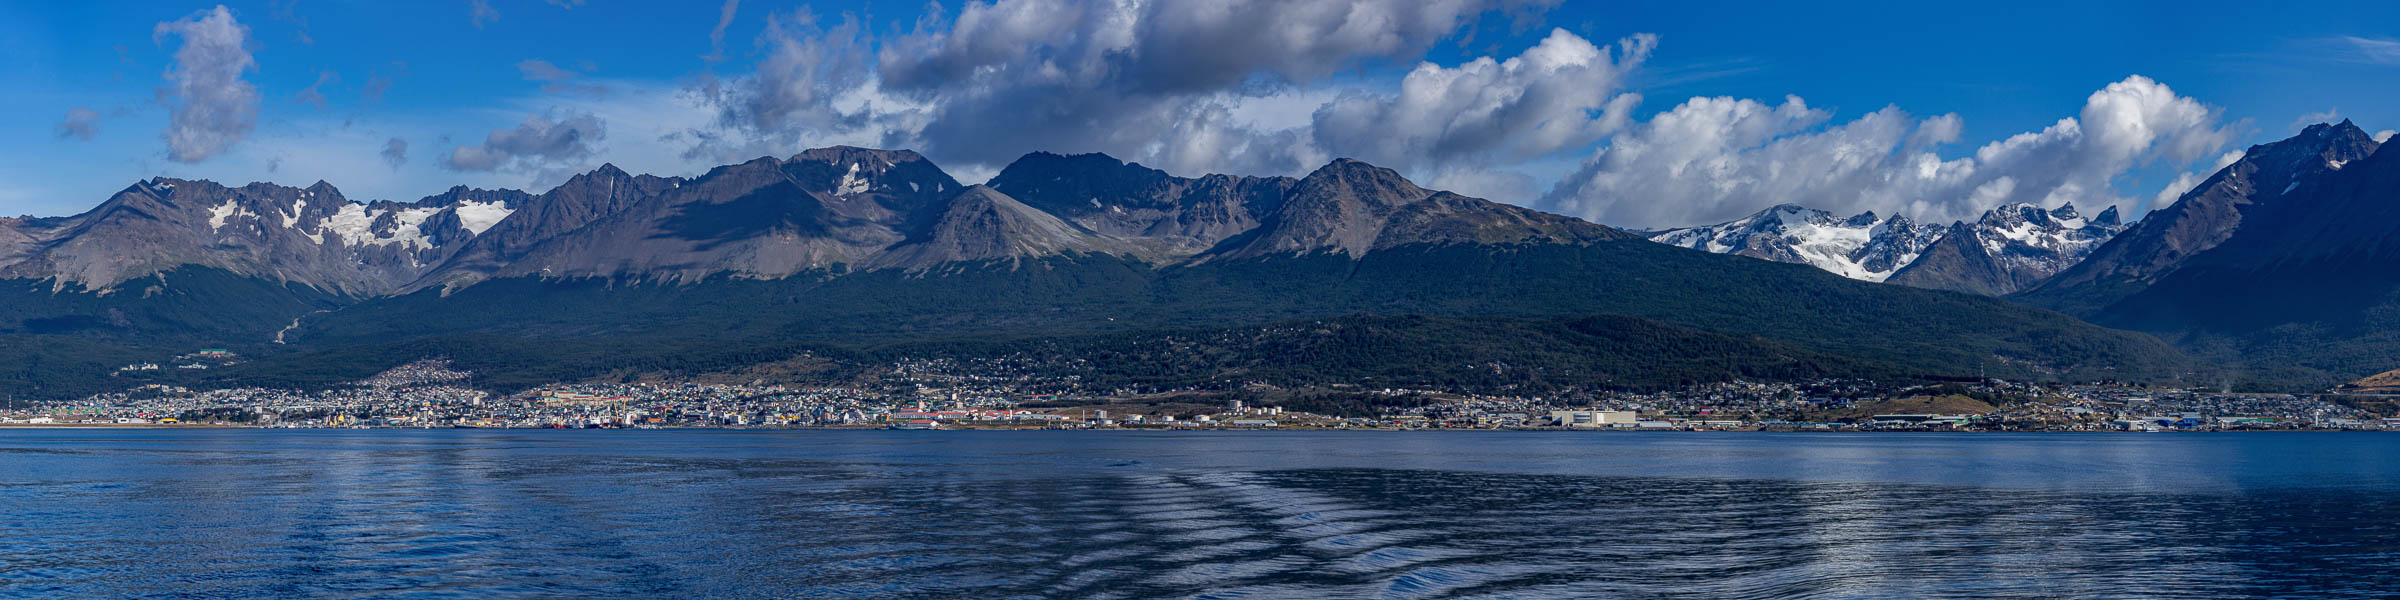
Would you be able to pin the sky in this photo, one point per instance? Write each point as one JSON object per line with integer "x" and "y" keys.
{"x": 1637, "y": 114}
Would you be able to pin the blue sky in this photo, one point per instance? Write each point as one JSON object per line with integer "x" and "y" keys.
{"x": 1617, "y": 138}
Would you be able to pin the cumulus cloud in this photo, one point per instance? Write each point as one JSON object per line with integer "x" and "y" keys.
{"x": 541, "y": 141}
{"x": 81, "y": 123}
{"x": 1557, "y": 95}
{"x": 1004, "y": 78}
{"x": 480, "y": 12}
{"x": 792, "y": 93}
{"x": 1192, "y": 87}
{"x": 1714, "y": 159}
{"x": 2383, "y": 136}
{"x": 395, "y": 152}
{"x": 213, "y": 107}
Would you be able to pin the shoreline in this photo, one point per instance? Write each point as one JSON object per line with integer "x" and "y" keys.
{"x": 1581, "y": 430}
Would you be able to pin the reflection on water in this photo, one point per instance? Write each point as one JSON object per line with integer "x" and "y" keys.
{"x": 966, "y": 515}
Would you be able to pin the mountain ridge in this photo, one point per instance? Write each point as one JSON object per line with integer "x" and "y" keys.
{"x": 857, "y": 246}
{"x": 2007, "y": 249}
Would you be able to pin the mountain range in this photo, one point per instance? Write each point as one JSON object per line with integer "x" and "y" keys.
{"x": 864, "y": 253}
{"x": 2284, "y": 264}
{"x": 2010, "y": 248}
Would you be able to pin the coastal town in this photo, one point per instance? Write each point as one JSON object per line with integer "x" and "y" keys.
{"x": 937, "y": 394}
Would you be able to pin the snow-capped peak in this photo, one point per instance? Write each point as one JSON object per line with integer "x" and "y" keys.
{"x": 1864, "y": 246}
{"x": 1872, "y": 247}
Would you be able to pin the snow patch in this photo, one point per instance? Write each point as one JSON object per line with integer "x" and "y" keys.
{"x": 225, "y": 212}
{"x": 2336, "y": 164}
{"x": 292, "y": 219}
{"x": 478, "y": 217}
{"x": 851, "y": 183}
{"x": 356, "y": 226}
{"x": 2021, "y": 235}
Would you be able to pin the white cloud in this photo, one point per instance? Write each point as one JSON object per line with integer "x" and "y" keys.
{"x": 1557, "y": 95}
{"x": 540, "y": 142}
{"x": 1127, "y": 78}
{"x": 795, "y": 91}
{"x": 1714, "y": 159}
{"x": 2383, "y": 136}
{"x": 2324, "y": 116}
{"x": 2382, "y": 51}
{"x": 214, "y": 108}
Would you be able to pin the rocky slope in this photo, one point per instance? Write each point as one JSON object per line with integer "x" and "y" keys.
{"x": 2284, "y": 262}
{"x": 2011, "y": 248}
{"x": 614, "y": 271}
{"x": 1352, "y": 208}
{"x": 1169, "y": 215}
{"x": 2267, "y": 179}
{"x": 310, "y": 236}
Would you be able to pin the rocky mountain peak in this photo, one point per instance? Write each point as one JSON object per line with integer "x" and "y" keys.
{"x": 2107, "y": 217}
{"x": 2012, "y": 245}
{"x": 1865, "y": 246}
{"x": 2269, "y": 178}
{"x": 1346, "y": 178}
{"x": 1170, "y": 216}
{"x": 824, "y": 208}
{"x": 1071, "y": 185}
{"x": 981, "y": 223}
{"x": 871, "y": 184}
{"x": 1351, "y": 207}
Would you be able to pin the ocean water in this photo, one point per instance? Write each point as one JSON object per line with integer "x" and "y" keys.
{"x": 805, "y": 514}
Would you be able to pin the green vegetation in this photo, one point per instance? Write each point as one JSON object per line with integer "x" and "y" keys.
{"x": 1625, "y": 314}
{"x": 69, "y": 342}
{"x": 1795, "y": 306}
{"x": 2298, "y": 327}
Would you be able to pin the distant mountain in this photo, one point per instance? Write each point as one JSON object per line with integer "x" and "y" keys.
{"x": 765, "y": 218}
{"x": 581, "y": 201}
{"x": 2010, "y": 248}
{"x": 854, "y": 248}
{"x": 1172, "y": 216}
{"x": 2266, "y": 180}
{"x": 2286, "y": 262}
{"x": 309, "y": 236}
{"x": 1352, "y": 208}
{"x": 1864, "y": 247}
{"x": 982, "y": 224}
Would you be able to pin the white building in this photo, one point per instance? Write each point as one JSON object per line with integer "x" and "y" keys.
{"x": 1592, "y": 418}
